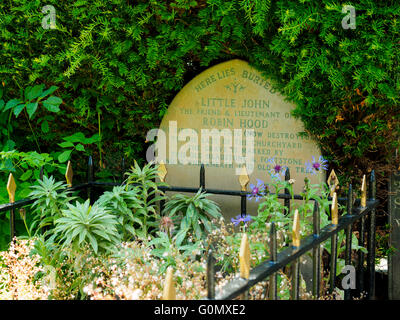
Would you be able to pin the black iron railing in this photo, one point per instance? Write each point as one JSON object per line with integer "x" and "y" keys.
{"x": 364, "y": 215}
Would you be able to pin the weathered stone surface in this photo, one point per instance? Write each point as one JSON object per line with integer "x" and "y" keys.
{"x": 233, "y": 95}
{"x": 394, "y": 241}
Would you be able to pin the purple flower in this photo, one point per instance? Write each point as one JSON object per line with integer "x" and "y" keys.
{"x": 256, "y": 190}
{"x": 315, "y": 166}
{"x": 276, "y": 170}
{"x": 240, "y": 218}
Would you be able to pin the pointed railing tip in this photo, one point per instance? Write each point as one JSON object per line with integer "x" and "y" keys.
{"x": 69, "y": 174}
{"x": 333, "y": 182}
{"x": 210, "y": 254}
{"x": 11, "y": 187}
{"x": 334, "y": 209}
{"x": 244, "y": 257}
{"x": 244, "y": 179}
{"x": 372, "y": 177}
{"x": 202, "y": 176}
{"x": 162, "y": 171}
{"x": 372, "y": 185}
{"x": 169, "y": 292}
{"x": 296, "y": 229}
{"x": 364, "y": 191}
{"x": 287, "y": 174}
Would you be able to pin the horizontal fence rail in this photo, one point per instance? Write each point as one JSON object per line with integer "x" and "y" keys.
{"x": 267, "y": 268}
{"x": 359, "y": 210}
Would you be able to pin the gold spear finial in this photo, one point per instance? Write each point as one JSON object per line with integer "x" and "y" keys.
{"x": 169, "y": 286}
{"x": 334, "y": 209}
{"x": 244, "y": 257}
{"x": 364, "y": 191}
{"x": 11, "y": 187}
{"x": 244, "y": 179}
{"x": 296, "y": 229}
{"x": 162, "y": 171}
{"x": 333, "y": 182}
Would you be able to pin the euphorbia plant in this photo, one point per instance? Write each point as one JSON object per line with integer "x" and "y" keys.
{"x": 193, "y": 214}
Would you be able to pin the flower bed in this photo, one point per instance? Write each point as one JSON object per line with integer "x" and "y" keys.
{"x": 120, "y": 246}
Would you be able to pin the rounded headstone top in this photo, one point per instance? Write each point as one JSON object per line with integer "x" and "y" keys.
{"x": 231, "y": 111}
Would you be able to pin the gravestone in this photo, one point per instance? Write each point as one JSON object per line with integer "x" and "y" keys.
{"x": 233, "y": 96}
{"x": 394, "y": 240}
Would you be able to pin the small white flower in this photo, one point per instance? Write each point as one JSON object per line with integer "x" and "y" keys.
{"x": 383, "y": 265}
{"x": 136, "y": 294}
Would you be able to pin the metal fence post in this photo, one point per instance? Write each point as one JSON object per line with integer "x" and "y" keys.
{"x": 316, "y": 280}
{"x": 371, "y": 241}
{"x": 243, "y": 181}
{"x": 11, "y": 187}
{"x": 273, "y": 290}
{"x": 347, "y": 292}
{"x": 210, "y": 276}
{"x": 335, "y": 218}
{"x": 202, "y": 177}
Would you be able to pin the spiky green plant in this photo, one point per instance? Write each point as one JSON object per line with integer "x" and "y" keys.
{"x": 82, "y": 223}
{"x": 148, "y": 194}
{"x": 125, "y": 205}
{"x": 194, "y": 213}
{"x": 51, "y": 197}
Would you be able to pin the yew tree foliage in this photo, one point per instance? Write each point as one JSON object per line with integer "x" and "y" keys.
{"x": 119, "y": 63}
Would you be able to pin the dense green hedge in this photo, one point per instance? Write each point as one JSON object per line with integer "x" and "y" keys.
{"x": 119, "y": 63}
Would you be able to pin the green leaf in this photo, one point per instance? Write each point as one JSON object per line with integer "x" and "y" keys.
{"x": 33, "y": 93}
{"x": 64, "y": 156}
{"x": 76, "y": 137}
{"x": 82, "y": 235}
{"x": 92, "y": 139}
{"x": 18, "y": 109}
{"x": 197, "y": 230}
{"x": 190, "y": 211}
{"x": 66, "y": 144}
{"x": 80, "y": 147}
{"x": 11, "y": 104}
{"x": 31, "y": 108}
{"x": 340, "y": 265}
{"x": 26, "y": 175}
{"x": 141, "y": 234}
{"x": 180, "y": 237}
{"x": 45, "y": 126}
{"x": 48, "y": 91}
{"x": 52, "y": 104}
{"x": 130, "y": 229}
